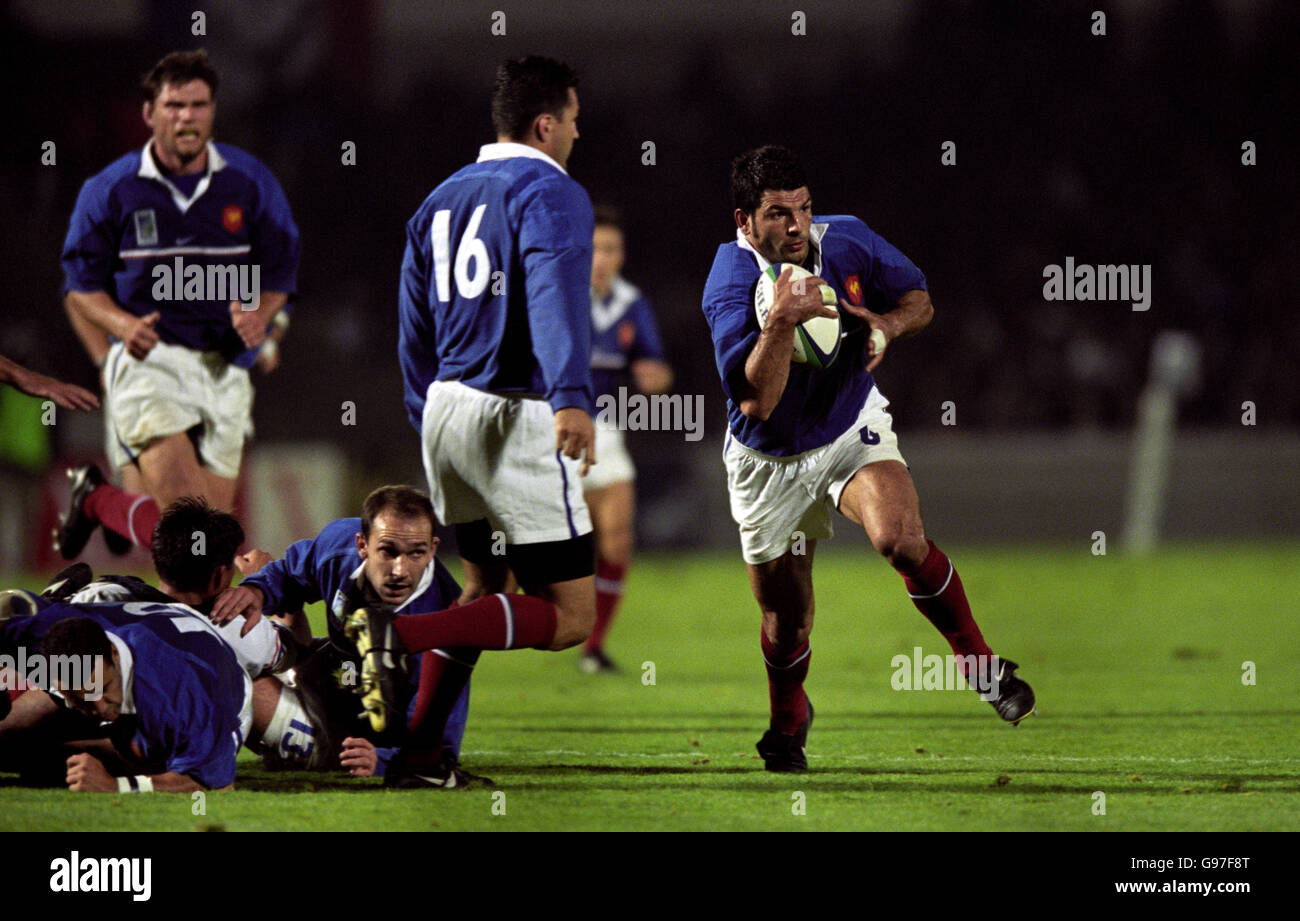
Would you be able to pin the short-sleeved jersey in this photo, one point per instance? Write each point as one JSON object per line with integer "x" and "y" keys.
{"x": 136, "y": 235}
{"x": 495, "y": 287}
{"x": 327, "y": 567}
{"x": 623, "y": 330}
{"x": 186, "y": 693}
{"x": 818, "y": 405}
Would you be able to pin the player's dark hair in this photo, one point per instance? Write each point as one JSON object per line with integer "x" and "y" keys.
{"x": 756, "y": 171}
{"x": 403, "y": 501}
{"x": 178, "y": 68}
{"x": 77, "y": 636}
{"x": 526, "y": 88}
{"x": 608, "y": 216}
{"x": 182, "y": 560}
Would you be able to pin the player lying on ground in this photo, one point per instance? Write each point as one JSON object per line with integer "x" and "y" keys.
{"x": 168, "y": 689}
{"x": 625, "y": 344}
{"x": 177, "y": 391}
{"x": 193, "y": 575}
{"x": 387, "y": 556}
{"x": 804, "y": 442}
{"x": 498, "y": 380}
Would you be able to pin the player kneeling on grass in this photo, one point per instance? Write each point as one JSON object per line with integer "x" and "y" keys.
{"x": 387, "y": 556}
{"x": 806, "y": 440}
{"x": 175, "y": 701}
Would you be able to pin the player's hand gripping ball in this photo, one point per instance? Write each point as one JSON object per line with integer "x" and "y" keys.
{"x": 817, "y": 340}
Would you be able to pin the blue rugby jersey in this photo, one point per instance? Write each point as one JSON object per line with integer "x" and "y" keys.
{"x": 495, "y": 288}
{"x": 190, "y": 699}
{"x": 327, "y": 567}
{"x": 130, "y": 220}
{"x": 623, "y": 330}
{"x": 817, "y": 406}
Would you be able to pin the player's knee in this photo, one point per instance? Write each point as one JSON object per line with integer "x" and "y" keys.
{"x": 616, "y": 549}
{"x": 787, "y": 630}
{"x": 573, "y": 626}
{"x": 903, "y": 546}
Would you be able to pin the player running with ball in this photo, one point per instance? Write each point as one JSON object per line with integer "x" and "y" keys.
{"x": 803, "y": 442}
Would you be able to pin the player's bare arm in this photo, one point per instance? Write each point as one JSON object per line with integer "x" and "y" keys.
{"x": 912, "y": 314}
{"x": 93, "y": 339}
{"x": 87, "y": 774}
{"x": 252, "y": 324}
{"x": 767, "y": 369}
{"x": 651, "y": 375}
{"x": 69, "y": 396}
{"x": 137, "y": 333}
{"x": 575, "y": 436}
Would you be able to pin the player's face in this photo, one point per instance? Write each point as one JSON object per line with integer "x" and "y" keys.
{"x": 781, "y": 227}
{"x": 396, "y": 555}
{"x": 103, "y": 701}
{"x": 181, "y": 119}
{"x": 560, "y": 133}
{"x": 606, "y": 257}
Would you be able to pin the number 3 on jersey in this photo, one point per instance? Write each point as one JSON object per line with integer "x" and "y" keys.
{"x": 471, "y": 249}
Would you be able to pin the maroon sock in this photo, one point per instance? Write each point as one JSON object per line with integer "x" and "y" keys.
{"x": 785, "y": 676}
{"x": 493, "y": 622}
{"x": 937, "y": 592}
{"x": 130, "y": 514}
{"x": 609, "y": 592}
{"x": 443, "y": 676}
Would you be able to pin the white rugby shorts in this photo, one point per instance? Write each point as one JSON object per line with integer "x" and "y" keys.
{"x": 173, "y": 390}
{"x": 613, "y": 463}
{"x": 772, "y": 498}
{"x": 494, "y": 457}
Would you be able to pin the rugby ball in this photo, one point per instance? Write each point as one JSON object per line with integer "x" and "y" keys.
{"x": 816, "y": 341}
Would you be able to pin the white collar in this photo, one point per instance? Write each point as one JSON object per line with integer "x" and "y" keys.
{"x": 504, "y": 150}
{"x": 816, "y": 231}
{"x": 149, "y": 170}
{"x": 420, "y": 587}
{"x": 126, "y": 664}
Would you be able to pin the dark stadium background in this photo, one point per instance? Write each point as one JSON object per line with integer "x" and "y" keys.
{"x": 1117, "y": 149}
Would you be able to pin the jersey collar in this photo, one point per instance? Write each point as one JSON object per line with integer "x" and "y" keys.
{"x": 149, "y": 170}
{"x": 503, "y": 150}
{"x": 420, "y": 587}
{"x": 816, "y": 231}
{"x": 126, "y": 662}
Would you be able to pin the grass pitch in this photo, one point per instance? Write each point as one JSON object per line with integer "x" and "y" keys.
{"x": 1138, "y": 666}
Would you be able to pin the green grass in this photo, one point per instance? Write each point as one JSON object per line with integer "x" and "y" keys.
{"x": 1137, "y": 666}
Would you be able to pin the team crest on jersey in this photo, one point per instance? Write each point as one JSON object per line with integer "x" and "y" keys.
{"x": 146, "y": 227}
{"x": 854, "y": 289}
{"x": 232, "y": 218}
{"x": 626, "y": 334}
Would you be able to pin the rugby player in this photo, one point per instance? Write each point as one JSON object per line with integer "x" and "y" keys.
{"x": 183, "y": 701}
{"x": 803, "y": 442}
{"x": 387, "y": 556}
{"x": 495, "y": 348}
{"x": 625, "y": 343}
{"x": 177, "y": 391}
